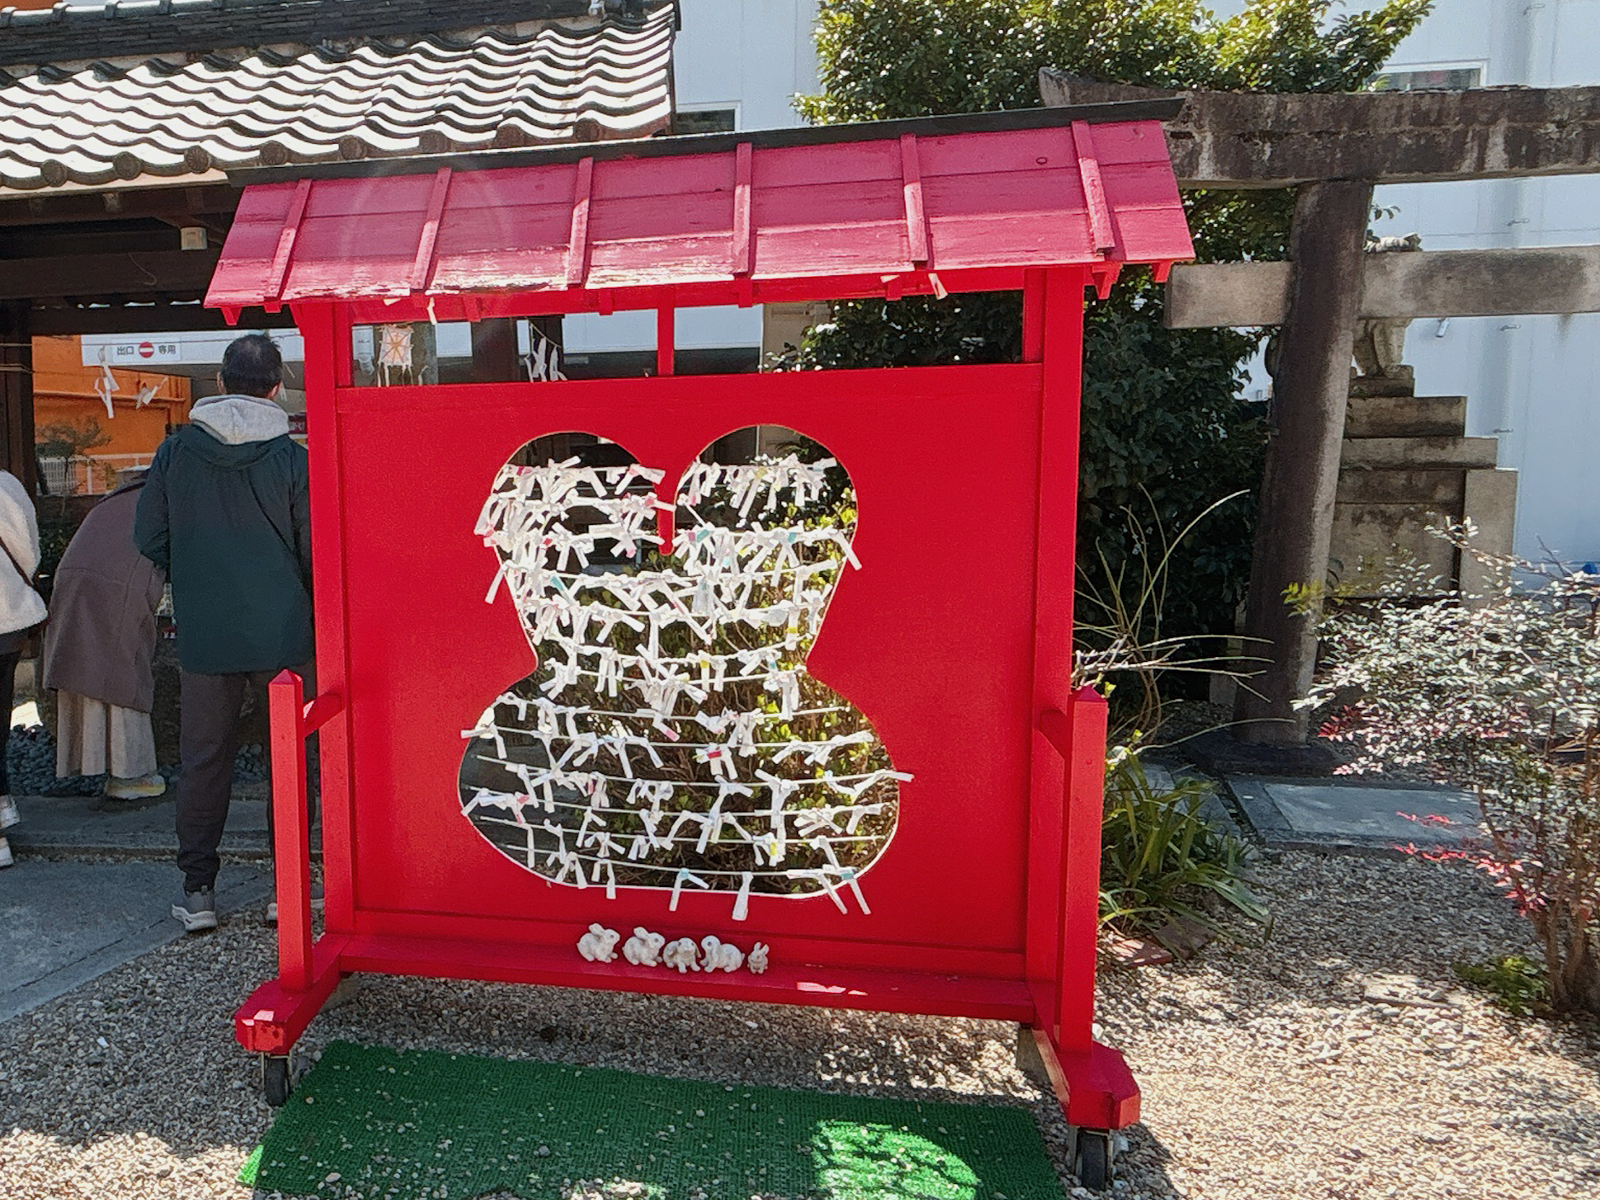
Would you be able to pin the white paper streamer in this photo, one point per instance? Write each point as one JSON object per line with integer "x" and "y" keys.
{"x": 671, "y": 736}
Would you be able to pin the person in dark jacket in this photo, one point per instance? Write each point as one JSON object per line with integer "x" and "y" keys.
{"x": 225, "y": 512}
{"x": 99, "y": 649}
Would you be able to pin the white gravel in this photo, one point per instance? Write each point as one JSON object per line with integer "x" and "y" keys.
{"x": 1266, "y": 1074}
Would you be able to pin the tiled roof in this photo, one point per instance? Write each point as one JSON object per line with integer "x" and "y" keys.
{"x": 583, "y": 80}
{"x": 81, "y": 30}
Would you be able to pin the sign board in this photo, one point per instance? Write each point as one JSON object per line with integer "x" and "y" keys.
{"x": 133, "y": 352}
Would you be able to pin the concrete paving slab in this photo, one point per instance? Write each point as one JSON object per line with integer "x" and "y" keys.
{"x": 1164, "y": 777}
{"x": 95, "y": 825}
{"x": 1356, "y": 815}
{"x": 64, "y": 923}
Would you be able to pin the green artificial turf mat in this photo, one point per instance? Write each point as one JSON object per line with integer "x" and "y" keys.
{"x": 368, "y": 1121}
{"x": 247, "y": 1172}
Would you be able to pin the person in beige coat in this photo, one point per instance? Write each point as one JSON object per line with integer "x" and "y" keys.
{"x": 21, "y": 608}
{"x": 98, "y": 651}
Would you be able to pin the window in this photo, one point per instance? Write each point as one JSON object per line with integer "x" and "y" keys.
{"x": 1429, "y": 79}
{"x": 706, "y": 120}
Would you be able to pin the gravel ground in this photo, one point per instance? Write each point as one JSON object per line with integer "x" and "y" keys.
{"x": 31, "y": 765}
{"x": 1266, "y": 1073}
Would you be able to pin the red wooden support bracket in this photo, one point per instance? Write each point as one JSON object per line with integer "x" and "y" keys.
{"x": 1104, "y": 275}
{"x": 744, "y": 241}
{"x": 1160, "y": 271}
{"x": 578, "y": 245}
{"x": 286, "y": 236}
{"x": 1094, "y": 188}
{"x": 666, "y": 344}
{"x": 291, "y": 834}
{"x": 422, "y": 265}
{"x": 917, "y": 239}
{"x": 319, "y": 712}
{"x": 1053, "y": 724}
{"x": 1033, "y": 316}
{"x": 344, "y": 367}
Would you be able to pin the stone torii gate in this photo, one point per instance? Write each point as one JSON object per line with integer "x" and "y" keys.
{"x": 1332, "y": 149}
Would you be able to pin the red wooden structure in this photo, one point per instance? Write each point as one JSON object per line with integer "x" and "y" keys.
{"x": 954, "y": 637}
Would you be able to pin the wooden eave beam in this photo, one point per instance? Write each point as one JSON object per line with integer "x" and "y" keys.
{"x": 1246, "y": 140}
{"x": 146, "y": 318}
{"x": 129, "y": 276}
{"x": 45, "y": 208}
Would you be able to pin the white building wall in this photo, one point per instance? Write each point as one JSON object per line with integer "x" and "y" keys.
{"x": 753, "y": 56}
{"x": 1532, "y": 381}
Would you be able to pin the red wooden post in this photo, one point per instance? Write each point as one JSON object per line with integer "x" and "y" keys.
{"x": 1080, "y": 891}
{"x": 291, "y": 835}
{"x": 328, "y": 355}
{"x": 1056, "y": 303}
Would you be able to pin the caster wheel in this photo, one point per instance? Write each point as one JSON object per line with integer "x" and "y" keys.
{"x": 1093, "y": 1163}
{"x": 275, "y": 1079}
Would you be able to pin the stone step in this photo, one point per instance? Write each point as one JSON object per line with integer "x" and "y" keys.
{"x": 1405, "y": 416}
{"x": 1419, "y": 452}
{"x": 1442, "y": 487}
{"x": 1366, "y": 535}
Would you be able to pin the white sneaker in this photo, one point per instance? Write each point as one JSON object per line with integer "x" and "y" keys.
{"x": 8, "y": 812}
{"x": 140, "y": 787}
{"x": 5, "y": 853}
{"x": 316, "y": 904}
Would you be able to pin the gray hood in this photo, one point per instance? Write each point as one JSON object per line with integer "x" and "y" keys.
{"x": 235, "y": 420}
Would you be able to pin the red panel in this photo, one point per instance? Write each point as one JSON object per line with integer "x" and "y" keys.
{"x": 819, "y": 215}
{"x": 933, "y": 643}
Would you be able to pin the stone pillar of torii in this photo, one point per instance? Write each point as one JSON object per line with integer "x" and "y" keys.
{"x": 1333, "y": 149}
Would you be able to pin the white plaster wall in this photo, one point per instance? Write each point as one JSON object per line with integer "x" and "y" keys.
{"x": 1532, "y": 381}
{"x": 750, "y": 55}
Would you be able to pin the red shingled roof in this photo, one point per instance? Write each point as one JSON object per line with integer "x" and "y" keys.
{"x": 748, "y": 224}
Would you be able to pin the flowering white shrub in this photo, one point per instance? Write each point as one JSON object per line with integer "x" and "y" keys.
{"x": 1499, "y": 694}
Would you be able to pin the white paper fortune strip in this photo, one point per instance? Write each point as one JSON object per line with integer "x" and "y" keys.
{"x": 670, "y": 736}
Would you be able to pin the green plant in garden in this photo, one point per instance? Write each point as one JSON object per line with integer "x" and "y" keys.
{"x": 1500, "y": 694}
{"x": 1518, "y": 984}
{"x": 1161, "y": 414}
{"x": 1161, "y": 858}
{"x": 1123, "y": 649}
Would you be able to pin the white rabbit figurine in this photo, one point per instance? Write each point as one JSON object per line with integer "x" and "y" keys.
{"x": 643, "y": 949}
{"x": 681, "y": 955}
{"x": 720, "y": 955}
{"x": 757, "y": 962}
{"x": 599, "y": 944}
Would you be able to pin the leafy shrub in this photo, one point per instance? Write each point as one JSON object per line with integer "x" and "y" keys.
{"x": 1518, "y": 984}
{"x": 1160, "y": 858}
{"x": 1499, "y": 694}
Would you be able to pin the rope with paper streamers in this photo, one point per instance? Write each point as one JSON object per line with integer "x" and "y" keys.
{"x": 671, "y": 736}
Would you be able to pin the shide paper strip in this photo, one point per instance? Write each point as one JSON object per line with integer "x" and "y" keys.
{"x": 671, "y": 736}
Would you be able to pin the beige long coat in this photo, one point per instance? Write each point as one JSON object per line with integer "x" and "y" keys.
{"x": 102, "y": 632}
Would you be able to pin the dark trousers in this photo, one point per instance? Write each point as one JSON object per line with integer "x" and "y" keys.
{"x": 8, "y": 688}
{"x": 208, "y": 742}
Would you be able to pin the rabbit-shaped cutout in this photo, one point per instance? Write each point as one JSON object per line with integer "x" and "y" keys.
{"x": 670, "y": 736}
